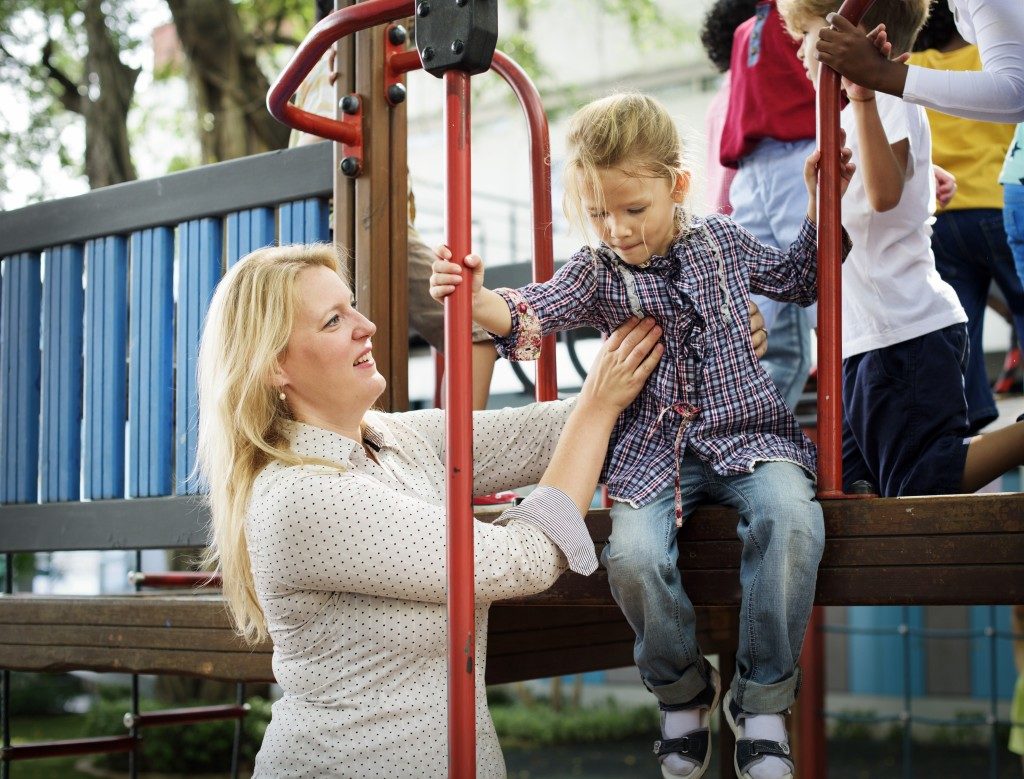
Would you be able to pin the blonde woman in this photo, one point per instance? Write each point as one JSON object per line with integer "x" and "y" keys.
{"x": 329, "y": 521}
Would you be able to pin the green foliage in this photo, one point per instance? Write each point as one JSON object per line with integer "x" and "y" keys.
{"x": 42, "y": 694}
{"x": 194, "y": 748}
{"x": 538, "y": 724}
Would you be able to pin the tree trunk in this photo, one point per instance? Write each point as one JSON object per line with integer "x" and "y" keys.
{"x": 229, "y": 89}
{"x": 108, "y": 91}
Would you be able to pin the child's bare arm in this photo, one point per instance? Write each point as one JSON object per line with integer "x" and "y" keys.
{"x": 882, "y": 164}
{"x": 489, "y": 309}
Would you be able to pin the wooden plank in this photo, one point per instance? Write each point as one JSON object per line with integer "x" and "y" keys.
{"x": 227, "y": 666}
{"x": 106, "y": 378}
{"x": 372, "y": 281}
{"x": 20, "y": 300}
{"x": 247, "y": 182}
{"x": 177, "y": 639}
{"x": 398, "y": 232}
{"x": 151, "y": 364}
{"x": 61, "y": 418}
{"x": 129, "y": 610}
{"x": 199, "y": 269}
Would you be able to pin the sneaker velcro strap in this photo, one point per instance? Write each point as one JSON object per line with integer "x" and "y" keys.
{"x": 748, "y": 750}
{"x": 693, "y": 745}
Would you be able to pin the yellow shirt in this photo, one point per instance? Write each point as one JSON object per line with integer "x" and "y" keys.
{"x": 972, "y": 151}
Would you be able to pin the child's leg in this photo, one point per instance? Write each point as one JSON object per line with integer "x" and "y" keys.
{"x": 907, "y": 412}
{"x": 641, "y": 558}
{"x": 783, "y": 533}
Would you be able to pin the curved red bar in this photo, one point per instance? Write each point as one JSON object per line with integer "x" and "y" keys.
{"x": 540, "y": 171}
{"x": 330, "y": 29}
{"x": 830, "y": 252}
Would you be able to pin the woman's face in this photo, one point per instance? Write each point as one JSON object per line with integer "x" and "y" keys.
{"x": 327, "y": 371}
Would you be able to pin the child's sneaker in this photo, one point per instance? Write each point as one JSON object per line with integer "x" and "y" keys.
{"x": 757, "y": 758}
{"x": 688, "y": 755}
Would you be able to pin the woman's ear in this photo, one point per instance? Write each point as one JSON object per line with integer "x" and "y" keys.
{"x": 681, "y": 186}
{"x": 278, "y": 379}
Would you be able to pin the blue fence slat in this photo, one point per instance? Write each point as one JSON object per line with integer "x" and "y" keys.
{"x": 20, "y": 298}
{"x": 247, "y": 231}
{"x": 61, "y": 440}
{"x": 304, "y": 221}
{"x": 199, "y": 263}
{"x": 106, "y": 376}
{"x": 150, "y": 367}
{"x": 875, "y": 664}
{"x": 997, "y": 618}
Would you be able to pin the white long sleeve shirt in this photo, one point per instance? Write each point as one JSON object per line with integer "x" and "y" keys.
{"x": 994, "y": 94}
{"x": 351, "y": 573}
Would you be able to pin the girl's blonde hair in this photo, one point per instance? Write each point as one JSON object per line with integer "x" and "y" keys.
{"x": 242, "y": 420}
{"x": 628, "y": 131}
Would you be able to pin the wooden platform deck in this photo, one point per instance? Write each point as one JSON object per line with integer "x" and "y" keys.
{"x": 939, "y": 550}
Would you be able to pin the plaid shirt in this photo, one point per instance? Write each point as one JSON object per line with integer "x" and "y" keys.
{"x": 709, "y": 393}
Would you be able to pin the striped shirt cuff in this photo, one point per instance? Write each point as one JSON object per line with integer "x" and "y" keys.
{"x": 552, "y": 512}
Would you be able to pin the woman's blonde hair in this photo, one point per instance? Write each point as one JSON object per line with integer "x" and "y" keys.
{"x": 242, "y": 420}
{"x": 629, "y": 131}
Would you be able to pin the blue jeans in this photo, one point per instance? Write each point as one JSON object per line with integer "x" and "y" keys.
{"x": 782, "y": 530}
{"x": 971, "y": 252}
{"x": 1013, "y": 221}
{"x": 769, "y": 199}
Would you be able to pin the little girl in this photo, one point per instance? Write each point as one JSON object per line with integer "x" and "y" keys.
{"x": 708, "y": 426}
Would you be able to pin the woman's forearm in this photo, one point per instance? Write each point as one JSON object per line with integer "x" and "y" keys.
{"x": 576, "y": 464}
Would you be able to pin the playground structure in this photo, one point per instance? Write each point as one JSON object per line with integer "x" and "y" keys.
{"x": 967, "y": 550}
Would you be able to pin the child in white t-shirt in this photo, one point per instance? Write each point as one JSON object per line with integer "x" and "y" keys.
{"x": 905, "y": 345}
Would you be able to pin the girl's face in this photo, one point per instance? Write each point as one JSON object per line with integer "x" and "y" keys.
{"x": 809, "y": 46}
{"x": 327, "y": 370}
{"x": 635, "y": 215}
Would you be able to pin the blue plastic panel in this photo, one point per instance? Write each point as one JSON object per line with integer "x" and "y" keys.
{"x": 106, "y": 375}
{"x": 304, "y": 221}
{"x": 875, "y": 663}
{"x": 60, "y": 456}
{"x": 19, "y": 377}
{"x": 247, "y": 231}
{"x": 986, "y": 678}
{"x": 150, "y": 365}
{"x": 199, "y": 265}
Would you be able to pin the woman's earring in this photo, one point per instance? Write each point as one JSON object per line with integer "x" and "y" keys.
{"x": 281, "y": 396}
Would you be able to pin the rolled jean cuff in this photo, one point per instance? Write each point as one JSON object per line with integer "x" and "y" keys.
{"x": 555, "y": 514}
{"x": 754, "y": 698}
{"x": 682, "y": 690}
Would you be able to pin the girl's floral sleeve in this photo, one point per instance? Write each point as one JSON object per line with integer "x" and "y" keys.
{"x": 563, "y": 303}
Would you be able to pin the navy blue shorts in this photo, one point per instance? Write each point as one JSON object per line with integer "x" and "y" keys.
{"x": 905, "y": 415}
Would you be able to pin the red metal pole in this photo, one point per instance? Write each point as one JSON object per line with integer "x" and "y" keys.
{"x": 830, "y": 252}
{"x": 540, "y": 171}
{"x": 174, "y": 579}
{"x": 67, "y": 748}
{"x": 459, "y": 428}
{"x": 812, "y": 747}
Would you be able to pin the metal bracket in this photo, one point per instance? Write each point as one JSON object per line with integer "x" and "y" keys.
{"x": 395, "y": 38}
{"x": 456, "y": 35}
{"x": 352, "y": 153}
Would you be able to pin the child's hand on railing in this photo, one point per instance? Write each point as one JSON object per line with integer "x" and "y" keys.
{"x": 846, "y": 170}
{"x": 447, "y": 274}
